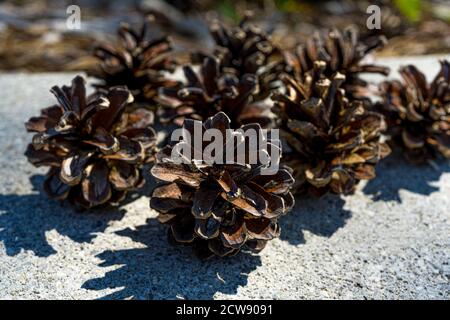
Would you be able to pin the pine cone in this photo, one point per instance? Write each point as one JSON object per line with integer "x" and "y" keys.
{"x": 94, "y": 150}
{"x": 209, "y": 91}
{"x": 136, "y": 63}
{"x": 332, "y": 143}
{"x": 219, "y": 208}
{"x": 236, "y": 78}
{"x": 247, "y": 49}
{"x": 418, "y": 113}
{"x": 343, "y": 52}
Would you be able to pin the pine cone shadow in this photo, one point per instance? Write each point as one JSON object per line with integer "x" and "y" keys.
{"x": 25, "y": 220}
{"x": 395, "y": 174}
{"x": 320, "y": 216}
{"x": 161, "y": 271}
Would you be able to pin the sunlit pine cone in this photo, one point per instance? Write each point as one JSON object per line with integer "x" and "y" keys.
{"x": 220, "y": 209}
{"x": 94, "y": 150}
{"x": 207, "y": 91}
{"x": 331, "y": 142}
{"x": 343, "y": 52}
{"x": 418, "y": 113}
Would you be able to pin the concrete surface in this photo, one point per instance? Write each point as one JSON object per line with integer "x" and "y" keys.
{"x": 391, "y": 240}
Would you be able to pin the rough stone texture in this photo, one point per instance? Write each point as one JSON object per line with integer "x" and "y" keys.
{"x": 391, "y": 240}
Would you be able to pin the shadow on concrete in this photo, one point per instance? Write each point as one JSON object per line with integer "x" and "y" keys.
{"x": 161, "y": 271}
{"x": 324, "y": 216}
{"x": 321, "y": 216}
{"x": 395, "y": 174}
{"x": 25, "y": 219}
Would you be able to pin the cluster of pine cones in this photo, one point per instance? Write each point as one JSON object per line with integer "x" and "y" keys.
{"x": 332, "y": 136}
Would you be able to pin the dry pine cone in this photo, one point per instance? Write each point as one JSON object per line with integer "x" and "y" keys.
{"x": 247, "y": 49}
{"x": 332, "y": 143}
{"x": 219, "y": 208}
{"x": 418, "y": 113}
{"x": 209, "y": 91}
{"x": 94, "y": 150}
{"x": 237, "y": 78}
{"x": 136, "y": 63}
{"x": 343, "y": 52}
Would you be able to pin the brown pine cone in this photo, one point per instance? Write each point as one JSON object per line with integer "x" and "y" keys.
{"x": 248, "y": 49}
{"x": 236, "y": 78}
{"x": 209, "y": 91}
{"x": 220, "y": 208}
{"x": 418, "y": 113}
{"x": 136, "y": 63}
{"x": 331, "y": 142}
{"x": 343, "y": 52}
{"x": 94, "y": 150}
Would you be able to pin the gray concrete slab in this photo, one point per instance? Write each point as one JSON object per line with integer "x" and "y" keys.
{"x": 391, "y": 240}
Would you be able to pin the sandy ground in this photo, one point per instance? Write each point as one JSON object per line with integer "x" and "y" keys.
{"x": 391, "y": 240}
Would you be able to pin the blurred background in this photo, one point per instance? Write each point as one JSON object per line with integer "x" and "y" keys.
{"x": 34, "y": 36}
